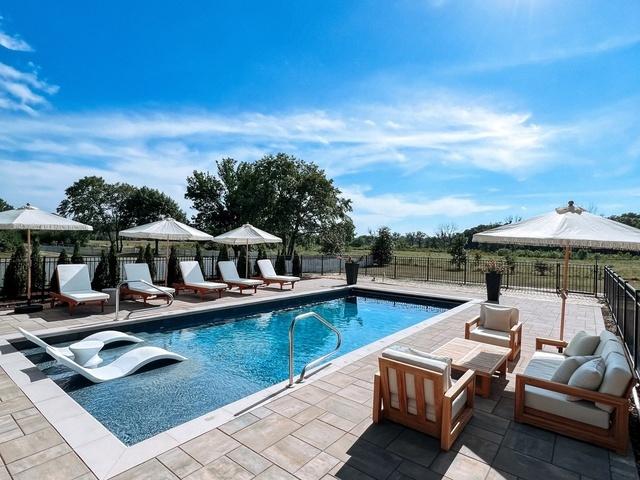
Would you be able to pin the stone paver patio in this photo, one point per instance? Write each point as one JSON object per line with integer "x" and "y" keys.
{"x": 323, "y": 429}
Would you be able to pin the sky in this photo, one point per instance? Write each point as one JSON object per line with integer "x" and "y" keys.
{"x": 424, "y": 112}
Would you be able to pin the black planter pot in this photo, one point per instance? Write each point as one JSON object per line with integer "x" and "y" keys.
{"x": 493, "y": 281}
{"x": 351, "y": 270}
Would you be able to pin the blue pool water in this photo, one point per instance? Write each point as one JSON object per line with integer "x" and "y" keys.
{"x": 228, "y": 359}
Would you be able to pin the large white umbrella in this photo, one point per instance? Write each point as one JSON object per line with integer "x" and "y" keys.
{"x": 246, "y": 235}
{"x": 31, "y": 218}
{"x": 568, "y": 227}
{"x": 167, "y": 229}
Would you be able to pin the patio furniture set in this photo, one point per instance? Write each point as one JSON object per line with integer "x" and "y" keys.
{"x": 580, "y": 390}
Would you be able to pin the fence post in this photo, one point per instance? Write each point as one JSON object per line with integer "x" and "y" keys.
{"x": 557, "y": 276}
{"x": 339, "y": 266}
{"x": 395, "y": 266}
{"x": 464, "y": 279}
{"x": 44, "y": 275}
{"x": 635, "y": 330}
{"x": 624, "y": 309}
{"x": 595, "y": 279}
{"x": 366, "y": 264}
{"x": 321, "y": 264}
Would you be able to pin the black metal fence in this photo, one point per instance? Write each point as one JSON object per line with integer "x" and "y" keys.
{"x": 624, "y": 303}
{"x": 534, "y": 276}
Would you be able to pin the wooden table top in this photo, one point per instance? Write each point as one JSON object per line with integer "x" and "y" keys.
{"x": 484, "y": 358}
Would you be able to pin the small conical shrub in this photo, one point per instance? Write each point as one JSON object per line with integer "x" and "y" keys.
{"x": 173, "y": 268}
{"x": 114, "y": 266}
{"x": 199, "y": 258}
{"x": 15, "y": 276}
{"x": 76, "y": 257}
{"x": 296, "y": 266}
{"x": 242, "y": 264}
{"x": 101, "y": 275}
{"x": 140, "y": 255}
{"x": 223, "y": 256}
{"x": 259, "y": 256}
{"x": 151, "y": 262}
{"x": 280, "y": 266}
{"x": 63, "y": 259}
{"x": 37, "y": 274}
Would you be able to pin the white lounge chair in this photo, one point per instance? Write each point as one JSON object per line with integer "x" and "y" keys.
{"x": 192, "y": 279}
{"x": 106, "y": 337}
{"x": 232, "y": 279}
{"x": 270, "y": 276}
{"x": 75, "y": 287}
{"x": 140, "y": 271}
{"x": 122, "y": 366}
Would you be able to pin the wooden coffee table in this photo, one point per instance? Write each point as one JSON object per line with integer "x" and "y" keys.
{"x": 487, "y": 360}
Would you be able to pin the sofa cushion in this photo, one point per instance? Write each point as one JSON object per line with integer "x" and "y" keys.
{"x": 487, "y": 309}
{"x": 589, "y": 376}
{"x": 568, "y": 367}
{"x": 493, "y": 337}
{"x": 497, "y": 319}
{"x": 543, "y": 365}
{"x": 616, "y": 379}
{"x": 582, "y": 344}
{"x": 611, "y": 346}
{"x": 605, "y": 336}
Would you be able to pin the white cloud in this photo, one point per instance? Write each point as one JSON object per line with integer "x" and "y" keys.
{"x": 14, "y": 43}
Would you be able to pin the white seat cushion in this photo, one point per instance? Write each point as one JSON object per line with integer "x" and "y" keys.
{"x": 87, "y": 296}
{"x": 142, "y": 288}
{"x": 209, "y": 285}
{"x": 542, "y": 366}
{"x": 582, "y": 344}
{"x": 493, "y": 337}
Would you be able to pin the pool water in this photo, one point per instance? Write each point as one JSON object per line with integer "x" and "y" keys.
{"x": 227, "y": 359}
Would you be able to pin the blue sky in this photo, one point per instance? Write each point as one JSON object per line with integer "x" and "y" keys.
{"x": 424, "y": 112}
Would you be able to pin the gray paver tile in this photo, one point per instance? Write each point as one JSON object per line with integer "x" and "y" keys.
{"x": 290, "y": 453}
{"x": 364, "y": 456}
{"x": 318, "y": 434}
{"x": 63, "y": 468}
{"x": 532, "y": 446}
{"x": 459, "y": 467}
{"x": 345, "y": 408}
{"x": 149, "y": 470}
{"x": 337, "y": 421}
{"x": 529, "y": 468}
{"x": 210, "y": 446}
{"x": 317, "y": 467}
{"x": 418, "y": 472}
{"x": 581, "y": 457}
{"x": 239, "y": 423}
{"x": 287, "y": 406}
{"x": 476, "y": 447}
{"x": 221, "y": 469}
{"x": 274, "y": 472}
{"x": 266, "y": 432}
{"x": 416, "y": 447}
{"x": 38, "y": 458}
{"x": 179, "y": 462}
{"x": 29, "y": 444}
{"x": 249, "y": 460}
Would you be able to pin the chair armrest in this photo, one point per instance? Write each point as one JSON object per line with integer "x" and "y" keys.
{"x": 541, "y": 341}
{"x": 574, "y": 391}
{"x": 469, "y": 324}
{"x": 463, "y": 382}
{"x": 516, "y": 328}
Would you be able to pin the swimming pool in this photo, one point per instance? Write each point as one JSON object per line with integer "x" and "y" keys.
{"x": 231, "y": 354}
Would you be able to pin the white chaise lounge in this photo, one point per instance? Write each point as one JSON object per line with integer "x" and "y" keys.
{"x": 75, "y": 288}
{"x": 270, "y": 276}
{"x": 106, "y": 337}
{"x": 232, "y": 279}
{"x": 193, "y": 279}
{"x": 122, "y": 366}
{"x": 140, "y": 271}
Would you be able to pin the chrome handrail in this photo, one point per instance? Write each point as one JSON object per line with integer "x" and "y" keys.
{"x": 168, "y": 294}
{"x": 317, "y": 360}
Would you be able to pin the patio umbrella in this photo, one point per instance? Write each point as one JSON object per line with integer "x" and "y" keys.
{"x": 568, "y": 227}
{"x": 31, "y": 218}
{"x": 246, "y": 235}
{"x": 167, "y": 229}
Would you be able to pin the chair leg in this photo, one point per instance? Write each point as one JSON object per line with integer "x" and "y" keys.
{"x": 377, "y": 399}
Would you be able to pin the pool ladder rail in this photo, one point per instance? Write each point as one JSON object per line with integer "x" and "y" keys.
{"x": 163, "y": 292}
{"x": 318, "y": 360}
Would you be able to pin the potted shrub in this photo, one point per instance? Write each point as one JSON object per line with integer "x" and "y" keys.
{"x": 493, "y": 278}
{"x": 351, "y": 269}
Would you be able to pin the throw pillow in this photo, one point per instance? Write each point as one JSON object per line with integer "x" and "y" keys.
{"x": 589, "y": 376}
{"x": 582, "y": 344}
{"x": 568, "y": 367}
{"x": 497, "y": 318}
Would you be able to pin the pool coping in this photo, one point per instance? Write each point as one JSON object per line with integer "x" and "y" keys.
{"x": 108, "y": 456}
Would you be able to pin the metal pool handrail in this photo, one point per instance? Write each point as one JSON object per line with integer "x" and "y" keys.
{"x": 146, "y": 283}
{"x": 317, "y": 360}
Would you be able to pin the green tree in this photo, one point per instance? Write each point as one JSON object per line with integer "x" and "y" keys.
{"x": 335, "y": 237}
{"x": 281, "y": 265}
{"x": 288, "y": 197}
{"x": 140, "y": 255}
{"x": 296, "y": 265}
{"x": 4, "y": 206}
{"x": 198, "y": 258}
{"x": 149, "y": 258}
{"x": 63, "y": 259}
{"x": 541, "y": 267}
{"x": 114, "y": 266}
{"x": 223, "y": 256}
{"x": 76, "y": 257}
{"x": 241, "y": 264}
{"x": 629, "y": 218}
{"x": 101, "y": 275}
{"x": 146, "y": 205}
{"x": 15, "y": 276}
{"x": 173, "y": 268}
{"x": 8, "y": 239}
{"x": 37, "y": 274}
{"x": 457, "y": 251}
{"x": 382, "y": 248}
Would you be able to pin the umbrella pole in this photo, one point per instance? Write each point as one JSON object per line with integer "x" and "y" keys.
{"x": 565, "y": 289}
{"x": 166, "y": 270}
{"x": 28, "y": 266}
{"x": 246, "y": 271}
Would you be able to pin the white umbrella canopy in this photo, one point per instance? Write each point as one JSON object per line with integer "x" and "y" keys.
{"x": 246, "y": 235}
{"x": 167, "y": 229}
{"x": 566, "y": 227}
{"x": 31, "y": 218}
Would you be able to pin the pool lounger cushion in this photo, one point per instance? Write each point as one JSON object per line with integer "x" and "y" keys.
{"x": 269, "y": 274}
{"x": 140, "y": 271}
{"x": 122, "y": 366}
{"x": 230, "y": 276}
{"x": 106, "y": 337}
{"x": 192, "y": 277}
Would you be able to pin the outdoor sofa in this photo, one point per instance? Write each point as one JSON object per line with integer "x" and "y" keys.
{"x": 582, "y": 393}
